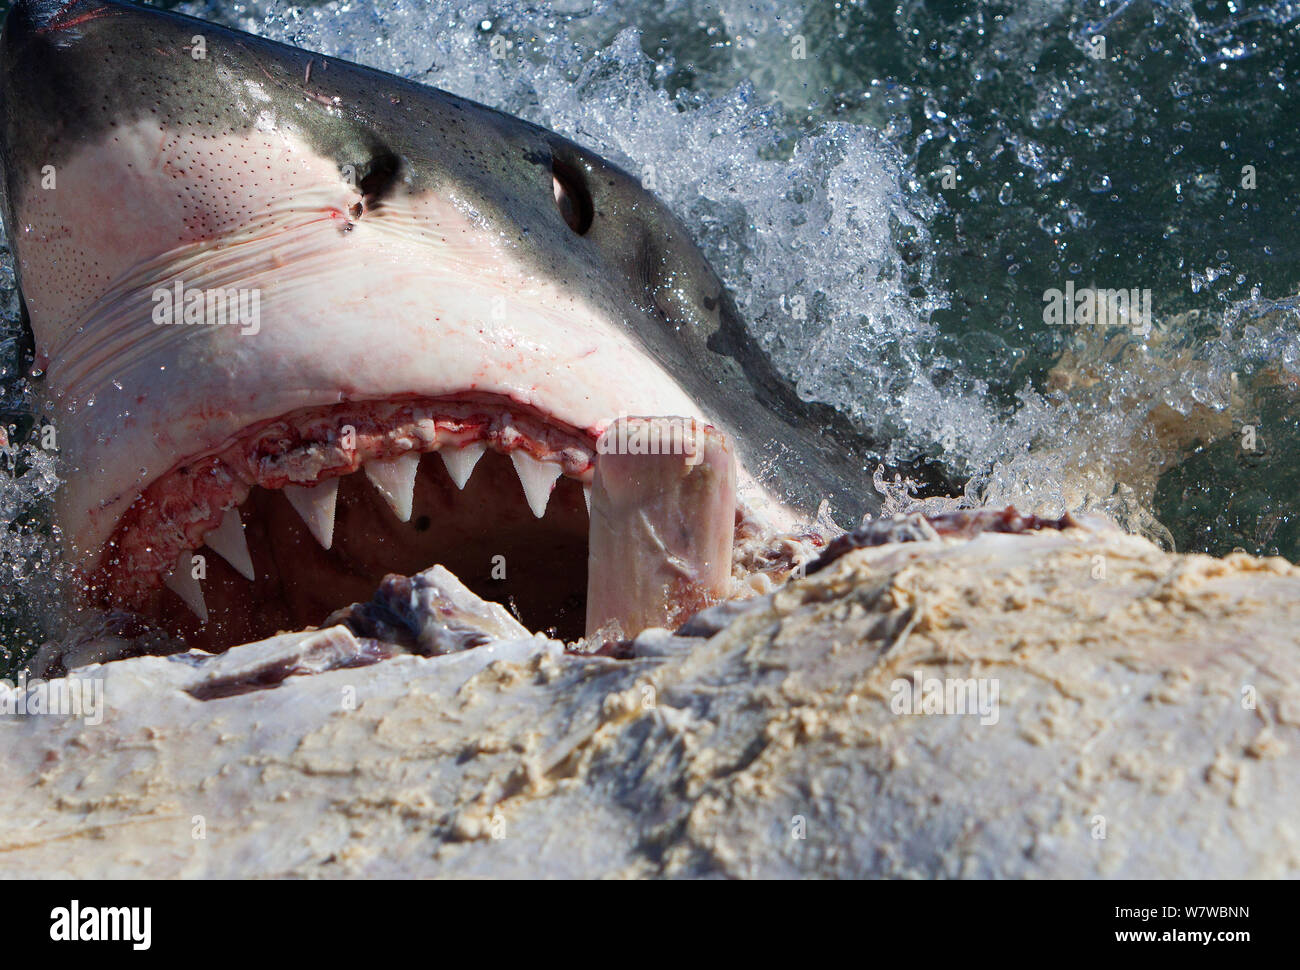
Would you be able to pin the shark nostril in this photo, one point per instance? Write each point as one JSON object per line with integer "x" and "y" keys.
{"x": 375, "y": 179}
{"x": 571, "y": 197}
{"x": 379, "y": 178}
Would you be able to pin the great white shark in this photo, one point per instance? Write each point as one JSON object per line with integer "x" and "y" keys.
{"x": 252, "y": 271}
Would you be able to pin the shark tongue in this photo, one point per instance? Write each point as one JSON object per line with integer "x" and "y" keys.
{"x": 663, "y": 509}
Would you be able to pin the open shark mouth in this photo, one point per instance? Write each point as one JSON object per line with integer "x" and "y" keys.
{"x": 296, "y": 522}
{"x": 308, "y": 513}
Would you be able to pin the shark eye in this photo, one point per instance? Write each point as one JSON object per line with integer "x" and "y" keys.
{"x": 571, "y": 197}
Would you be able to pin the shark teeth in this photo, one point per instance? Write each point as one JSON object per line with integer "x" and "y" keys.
{"x": 395, "y": 481}
{"x": 393, "y": 478}
{"x": 460, "y": 462}
{"x": 316, "y": 506}
{"x": 181, "y": 581}
{"x": 537, "y": 478}
{"x": 227, "y": 541}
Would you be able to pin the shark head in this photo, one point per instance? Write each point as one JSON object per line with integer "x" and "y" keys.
{"x": 253, "y": 272}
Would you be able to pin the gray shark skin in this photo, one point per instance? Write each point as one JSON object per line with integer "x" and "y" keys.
{"x": 396, "y": 243}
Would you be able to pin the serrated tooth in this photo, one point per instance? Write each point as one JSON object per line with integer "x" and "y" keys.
{"x": 586, "y": 495}
{"x": 395, "y": 481}
{"x": 460, "y": 462}
{"x": 181, "y": 581}
{"x": 316, "y": 506}
{"x": 537, "y": 478}
{"x": 227, "y": 541}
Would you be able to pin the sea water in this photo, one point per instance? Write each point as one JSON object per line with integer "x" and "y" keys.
{"x": 896, "y": 194}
